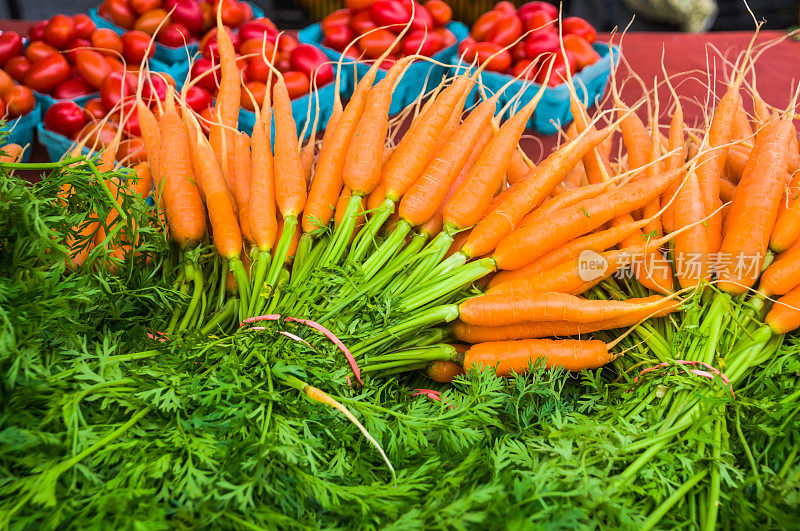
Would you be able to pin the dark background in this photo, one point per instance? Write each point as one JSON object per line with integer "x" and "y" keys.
{"x": 603, "y": 14}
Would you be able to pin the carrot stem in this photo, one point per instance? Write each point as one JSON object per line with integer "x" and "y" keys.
{"x": 193, "y": 272}
{"x": 389, "y": 246}
{"x": 301, "y": 255}
{"x": 240, "y": 275}
{"x": 281, "y": 251}
{"x": 221, "y": 317}
{"x": 341, "y": 236}
{"x": 439, "y": 314}
{"x": 432, "y": 255}
{"x": 262, "y": 264}
{"x": 464, "y": 276}
{"x": 366, "y": 237}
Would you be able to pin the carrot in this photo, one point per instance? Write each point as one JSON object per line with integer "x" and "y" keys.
{"x": 290, "y": 186}
{"x": 471, "y": 200}
{"x": 242, "y": 167}
{"x": 518, "y": 168}
{"x": 143, "y": 184}
{"x": 596, "y": 242}
{"x": 534, "y": 330}
{"x": 507, "y": 357}
{"x": 736, "y": 160}
{"x": 182, "y": 202}
{"x": 529, "y": 193}
{"x": 787, "y": 226}
{"x": 512, "y": 308}
{"x": 152, "y": 141}
{"x": 783, "y": 274}
{"x": 726, "y": 190}
{"x": 532, "y": 241}
{"x": 563, "y": 200}
{"x": 341, "y": 207}
{"x": 11, "y": 153}
{"x": 261, "y": 209}
{"x": 754, "y": 208}
{"x": 443, "y": 371}
{"x": 228, "y": 102}
{"x": 784, "y": 316}
{"x": 691, "y": 245}
{"x": 742, "y": 131}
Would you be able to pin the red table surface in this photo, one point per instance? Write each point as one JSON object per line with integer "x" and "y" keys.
{"x": 687, "y": 59}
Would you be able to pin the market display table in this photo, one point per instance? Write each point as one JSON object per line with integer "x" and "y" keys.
{"x": 687, "y": 58}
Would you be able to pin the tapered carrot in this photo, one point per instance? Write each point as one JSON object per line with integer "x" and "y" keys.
{"x": 443, "y": 371}
{"x": 787, "y": 226}
{"x": 182, "y": 202}
{"x": 507, "y": 357}
{"x": 783, "y": 274}
{"x": 518, "y": 168}
{"x": 529, "y": 193}
{"x": 512, "y": 308}
{"x": 593, "y": 242}
{"x": 784, "y": 316}
{"x": 736, "y": 160}
{"x": 471, "y": 200}
{"x": 754, "y": 209}
{"x": 242, "y": 168}
{"x": 563, "y": 200}
{"x": 261, "y": 212}
{"x": 11, "y": 153}
{"x": 726, "y": 190}
{"x": 691, "y": 245}
{"x": 532, "y": 241}
{"x": 534, "y": 330}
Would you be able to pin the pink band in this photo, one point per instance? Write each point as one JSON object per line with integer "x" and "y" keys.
{"x": 316, "y": 326}
{"x": 698, "y": 372}
{"x": 433, "y": 395}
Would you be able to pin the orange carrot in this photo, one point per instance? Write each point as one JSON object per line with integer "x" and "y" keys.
{"x": 262, "y": 220}
{"x": 242, "y": 167}
{"x": 784, "y": 316}
{"x": 443, "y": 371}
{"x": 783, "y": 274}
{"x": 507, "y": 357}
{"x": 754, "y": 208}
{"x": 518, "y": 168}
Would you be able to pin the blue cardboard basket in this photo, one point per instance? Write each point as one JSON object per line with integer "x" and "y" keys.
{"x": 20, "y": 131}
{"x": 553, "y": 112}
{"x": 413, "y": 81}
{"x": 57, "y": 145}
{"x": 165, "y": 54}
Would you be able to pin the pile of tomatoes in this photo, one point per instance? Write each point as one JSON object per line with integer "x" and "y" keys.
{"x": 505, "y": 24}
{"x": 376, "y": 24}
{"x": 300, "y": 64}
{"x": 15, "y": 100}
{"x": 181, "y": 21}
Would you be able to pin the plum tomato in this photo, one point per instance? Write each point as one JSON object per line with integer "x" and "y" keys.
{"x": 65, "y": 118}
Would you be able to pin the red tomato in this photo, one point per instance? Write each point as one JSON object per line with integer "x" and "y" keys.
{"x": 60, "y": 31}
{"x": 447, "y": 36}
{"x": 540, "y": 43}
{"x": 389, "y": 13}
{"x": 131, "y": 123}
{"x": 117, "y": 85}
{"x": 209, "y": 81}
{"x": 19, "y": 101}
{"x": 144, "y": 6}
{"x": 2, "y": 108}
{"x": 287, "y": 43}
{"x": 258, "y": 29}
{"x": 506, "y": 31}
{"x": 10, "y": 46}
{"x": 420, "y": 42}
{"x": 259, "y": 91}
{"x": 361, "y": 23}
{"x": 282, "y": 62}
{"x": 233, "y": 13}
{"x": 6, "y": 82}
{"x": 256, "y": 47}
{"x": 106, "y": 39}
{"x": 93, "y": 67}
{"x": 132, "y": 150}
{"x": 38, "y": 50}
{"x": 483, "y": 51}
{"x": 36, "y": 31}
{"x": 257, "y": 69}
{"x": 208, "y": 45}
{"x": 77, "y": 44}
{"x": 209, "y": 16}
{"x": 135, "y": 44}
{"x": 84, "y": 26}
{"x": 94, "y": 109}
{"x": 539, "y": 21}
{"x": 154, "y": 88}
{"x": 532, "y": 7}
{"x": 485, "y": 24}
{"x": 198, "y": 98}
{"x": 581, "y": 28}
{"x": 174, "y": 35}
{"x": 149, "y": 22}
{"x": 377, "y": 42}
{"x": 65, "y": 118}
{"x": 297, "y": 83}
{"x": 355, "y": 5}
{"x": 440, "y": 11}
{"x": 18, "y": 68}
{"x": 312, "y": 62}
{"x": 465, "y": 45}
{"x": 559, "y": 73}
{"x": 74, "y": 87}
{"x": 519, "y": 70}
{"x": 46, "y": 74}
{"x": 387, "y": 63}
{"x": 422, "y": 17}
{"x": 518, "y": 52}
{"x": 186, "y": 12}
{"x": 340, "y": 17}
{"x": 338, "y": 37}
{"x": 506, "y": 7}
{"x": 119, "y": 13}
{"x": 582, "y": 51}
{"x": 115, "y": 64}
{"x": 98, "y": 136}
